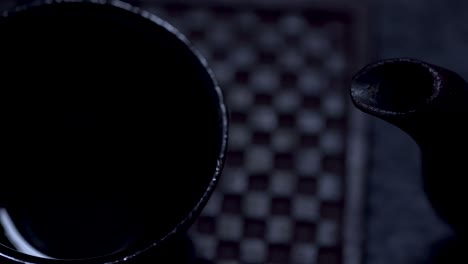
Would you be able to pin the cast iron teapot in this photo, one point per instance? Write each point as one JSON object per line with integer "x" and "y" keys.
{"x": 430, "y": 103}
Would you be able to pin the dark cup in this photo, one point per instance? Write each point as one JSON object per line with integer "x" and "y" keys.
{"x": 114, "y": 133}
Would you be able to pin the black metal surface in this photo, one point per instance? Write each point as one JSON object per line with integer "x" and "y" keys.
{"x": 116, "y": 132}
{"x": 429, "y": 103}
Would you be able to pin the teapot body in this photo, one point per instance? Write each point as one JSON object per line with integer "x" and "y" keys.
{"x": 429, "y": 103}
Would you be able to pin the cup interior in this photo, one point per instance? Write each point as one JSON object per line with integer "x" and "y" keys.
{"x": 112, "y": 130}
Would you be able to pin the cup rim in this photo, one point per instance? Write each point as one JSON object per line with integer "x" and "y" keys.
{"x": 127, "y": 254}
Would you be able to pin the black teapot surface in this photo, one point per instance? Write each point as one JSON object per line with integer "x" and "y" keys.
{"x": 430, "y": 104}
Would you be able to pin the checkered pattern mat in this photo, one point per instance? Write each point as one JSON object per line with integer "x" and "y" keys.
{"x": 284, "y": 73}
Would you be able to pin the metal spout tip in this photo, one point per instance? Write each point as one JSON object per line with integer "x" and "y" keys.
{"x": 395, "y": 87}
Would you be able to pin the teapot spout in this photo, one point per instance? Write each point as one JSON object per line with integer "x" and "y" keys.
{"x": 430, "y": 103}
{"x": 395, "y": 87}
{"x": 411, "y": 94}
